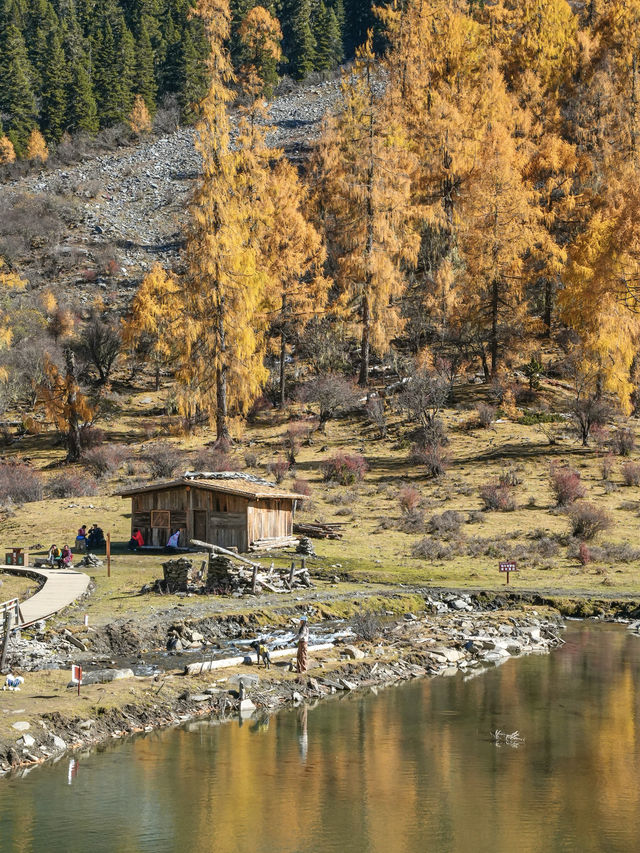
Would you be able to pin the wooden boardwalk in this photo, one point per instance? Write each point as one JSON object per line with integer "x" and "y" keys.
{"x": 61, "y": 588}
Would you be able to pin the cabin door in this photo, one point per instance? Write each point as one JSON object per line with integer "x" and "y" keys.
{"x": 200, "y": 524}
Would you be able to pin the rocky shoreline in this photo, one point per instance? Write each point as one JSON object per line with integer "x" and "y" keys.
{"x": 452, "y": 634}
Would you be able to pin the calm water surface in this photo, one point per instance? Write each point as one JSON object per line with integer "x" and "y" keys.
{"x": 407, "y": 771}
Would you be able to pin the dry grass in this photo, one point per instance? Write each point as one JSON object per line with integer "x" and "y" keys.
{"x": 374, "y": 546}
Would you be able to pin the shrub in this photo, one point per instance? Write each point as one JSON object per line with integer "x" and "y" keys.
{"x": 72, "y": 484}
{"x": 344, "y": 468}
{"x": 631, "y": 473}
{"x": 412, "y": 521}
{"x": 607, "y": 466}
{"x": 376, "y": 415}
{"x": 584, "y": 554}
{"x": 623, "y": 441}
{"x": 91, "y": 436}
{"x": 367, "y": 625}
{"x": 292, "y": 439}
{"x": 546, "y": 546}
{"x": 302, "y": 487}
{"x": 162, "y": 460}
{"x": 509, "y": 477}
{"x": 279, "y": 469}
{"x": 251, "y": 459}
{"x": 475, "y": 517}
{"x": 433, "y": 456}
{"x": 446, "y": 523}
{"x": 332, "y": 393}
{"x": 587, "y": 520}
{"x": 409, "y": 498}
{"x": 105, "y": 459}
{"x": 19, "y": 483}
{"x": 431, "y": 549}
{"x": 486, "y": 415}
{"x": 566, "y": 485}
{"x": 213, "y": 459}
{"x": 498, "y": 496}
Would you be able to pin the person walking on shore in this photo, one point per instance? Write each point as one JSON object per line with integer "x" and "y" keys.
{"x": 303, "y": 644}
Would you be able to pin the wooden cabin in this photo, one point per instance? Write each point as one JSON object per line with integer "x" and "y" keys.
{"x": 232, "y": 510}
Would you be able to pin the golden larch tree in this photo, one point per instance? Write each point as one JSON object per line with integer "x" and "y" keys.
{"x": 7, "y": 151}
{"x": 139, "y": 118}
{"x": 365, "y": 172}
{"x": 154, "y": 318}
{"x": 223, "y": 323}
{"x": 37, "y": 147}
{"x": 64, "y": 404}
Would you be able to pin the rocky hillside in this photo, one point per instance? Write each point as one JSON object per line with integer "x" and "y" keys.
{"x": 101, "y": 224}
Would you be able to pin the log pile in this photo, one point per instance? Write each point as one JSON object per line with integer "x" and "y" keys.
{"x": 319, "y": 530}
{"x": 177, "y": 574}
{"x": 274, "y": 542}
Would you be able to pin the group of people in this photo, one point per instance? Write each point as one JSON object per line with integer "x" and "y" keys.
{"x": 93, "y": 538}
{"x": 60, "y": 558}
{"x": 137, "y": 540}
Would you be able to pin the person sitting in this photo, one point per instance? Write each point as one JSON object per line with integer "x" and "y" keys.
{"x": 66, "y": 558}
{"x": 95, "y": 538}
{"x": 54, "y": 555}
{"x": 81, "y": 539}
{"x": 172, "y": 542}
{"x": 136, "y": 540}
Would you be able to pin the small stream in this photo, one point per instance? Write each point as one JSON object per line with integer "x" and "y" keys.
{"x": 402, "y": 770}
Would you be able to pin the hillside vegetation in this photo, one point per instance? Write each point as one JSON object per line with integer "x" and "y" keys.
{"x": 431, "y": 324}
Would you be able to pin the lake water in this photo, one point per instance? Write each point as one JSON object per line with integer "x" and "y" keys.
{"x": 410, "y": 770}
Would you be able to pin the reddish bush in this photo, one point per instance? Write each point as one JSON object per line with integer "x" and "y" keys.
{"x": 19, "y": 483}
{"x": 566, "y": 485}
{"x": 584, "y": 554}
{"x": 587, "y": 520}
{"x": 409, "y": 498}
{"x": 631, "y": 473}
{"x": 279, "y": 469}
{"x": 302, "y": 487}
{"x": 344, "y": 468}
{"x": 104, "y": 460}
{"x": 72, "y": 484}
{"x": 498, "y": 496}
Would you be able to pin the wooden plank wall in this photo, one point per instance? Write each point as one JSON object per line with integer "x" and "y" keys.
{"x": 269, "y": 519}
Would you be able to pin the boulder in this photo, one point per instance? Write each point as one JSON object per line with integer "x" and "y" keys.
{"x": 353, "y": 652}
{"x": 27, "y": 740}
{"x": 21, "y": 726}
{"x": 59, "y": 743}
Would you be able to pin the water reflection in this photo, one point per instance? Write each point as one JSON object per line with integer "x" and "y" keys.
{"x": 412, "y": 769}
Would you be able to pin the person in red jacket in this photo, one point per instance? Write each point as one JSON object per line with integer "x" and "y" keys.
{"x": 136, "y": 540}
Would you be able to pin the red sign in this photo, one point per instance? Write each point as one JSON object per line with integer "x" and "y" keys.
{"x": 508, "y": 566}
{"x": 76, "y": 674}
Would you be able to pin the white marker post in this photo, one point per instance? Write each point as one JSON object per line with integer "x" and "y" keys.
{"x": 76, "y": 675}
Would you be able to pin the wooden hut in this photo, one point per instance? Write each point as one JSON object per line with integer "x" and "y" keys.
{"x": 229, "y": 509}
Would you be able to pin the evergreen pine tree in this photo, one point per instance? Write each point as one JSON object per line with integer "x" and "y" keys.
{"x": 19, "y": 102}
{"x": 301, "y": 54}
{"x": 83, "y": 112}
{"x": 145, "y": 79}
{"x": 53, "y": 110}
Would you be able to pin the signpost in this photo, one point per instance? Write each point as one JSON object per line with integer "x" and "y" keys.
{"x": 508, "y": 566}
{"x": 76, "y": 675}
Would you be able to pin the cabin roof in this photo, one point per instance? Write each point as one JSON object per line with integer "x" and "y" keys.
{"x": 228, "y": 482}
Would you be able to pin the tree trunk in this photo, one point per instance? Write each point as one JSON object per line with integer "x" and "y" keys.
{"x": 283, "y": 352}
{"x": 364, "y": 343}
{"x": 73, "y": 426}
{"x": 493, "y": 342}
{"x": 548, "y": 306}
{"x": 157, "y": 376}
{"x": 222, "y": 427}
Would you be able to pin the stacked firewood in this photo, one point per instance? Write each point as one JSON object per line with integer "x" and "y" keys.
{"x": 319, "y": 529}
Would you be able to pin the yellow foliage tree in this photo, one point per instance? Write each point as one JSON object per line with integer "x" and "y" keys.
{"x": 224, "y": 291}
{"x": 499, "y": 225}
{"x": 260, "y": 36}
{"x": 64, "y": 404}
{"x": 365, "y": 172}
{"x": 9, "y": 281}
{"x": 154, "y": 316}
{"x": 7, "y": 151}
{"x": 37, "y": 147}
{"x": 294, "y": 253}
{"x": 139, "y": 118}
